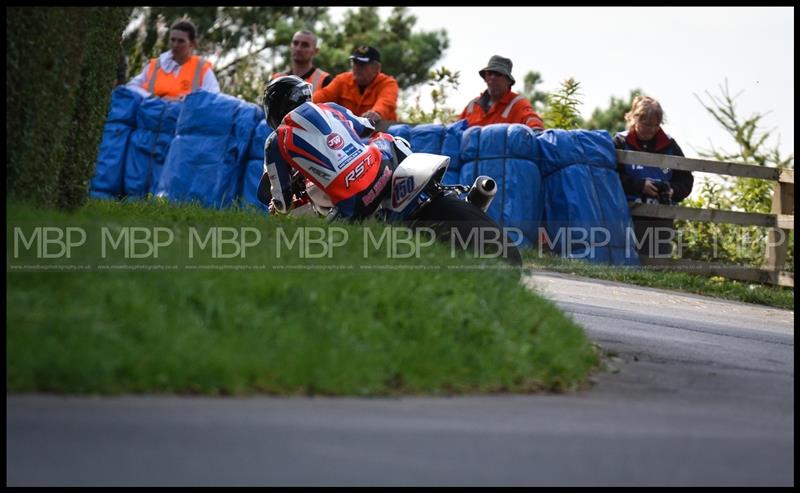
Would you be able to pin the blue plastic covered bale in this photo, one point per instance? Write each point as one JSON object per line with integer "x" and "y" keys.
{"x": 597, "y": 147}
{"x": 124, "y": 106}
{"x": 427, "y": 137}
{"x": 556, "y": 149}
{"x": 435, "y": 138}
{"x": 207, "y": 156}
{"x": 451, "y": 146}
{"x": 147, "y": 149}
{"x": 401, "y": 130}
{"x": 248, "y": 118}
{"x": 504, "y": 152}
{"x": 254, "y": 167}
{"x": 107, "y": 182}
{"x": 260, "y": 135}
{"x": 586, "y": 215}
{"x": 452, "y": 178}
{"x": 573, "y": 219}
{"x": 445, "y": 140}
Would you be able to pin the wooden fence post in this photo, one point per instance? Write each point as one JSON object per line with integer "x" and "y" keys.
{"x": 779, "y": 222}
{"x": 777, "y": 238}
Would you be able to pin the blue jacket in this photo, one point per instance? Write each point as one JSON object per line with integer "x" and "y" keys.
{"x": 633, "y": 176}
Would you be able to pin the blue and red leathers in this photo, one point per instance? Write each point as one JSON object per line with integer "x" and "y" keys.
{"x": 335, "y": 150}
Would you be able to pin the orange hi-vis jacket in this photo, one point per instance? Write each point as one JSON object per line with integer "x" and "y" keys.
{"x": 166, "y": 85}
{"x": 512, "y": 108}
{"x": 315, "y": 78}
{"x": 380, "y": 96}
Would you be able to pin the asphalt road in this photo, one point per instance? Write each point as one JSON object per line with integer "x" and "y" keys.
{"x": 702, "y": 394}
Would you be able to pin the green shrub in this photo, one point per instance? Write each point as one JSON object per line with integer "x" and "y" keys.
{"x": 59, "y": 75}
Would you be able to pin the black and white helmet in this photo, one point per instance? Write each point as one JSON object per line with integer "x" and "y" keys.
{"x": 284, "y": 94}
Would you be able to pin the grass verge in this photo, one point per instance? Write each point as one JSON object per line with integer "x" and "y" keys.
{"x": 204, "y": 314}
{"x": 715, "y": 286}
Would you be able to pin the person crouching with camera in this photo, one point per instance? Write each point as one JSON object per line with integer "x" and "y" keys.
{"x": 651, "y": 184}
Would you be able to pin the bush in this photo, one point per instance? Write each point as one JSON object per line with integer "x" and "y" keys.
{"x": 59, "y": 76}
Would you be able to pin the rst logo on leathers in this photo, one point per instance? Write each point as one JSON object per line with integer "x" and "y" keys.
{"x": 401, "y": 188}
{"x": 335, "y": 141}
{"x": 358, "y": 171}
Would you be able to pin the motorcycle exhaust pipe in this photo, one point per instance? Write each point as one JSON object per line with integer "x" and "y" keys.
{"x": 482, "y": 192}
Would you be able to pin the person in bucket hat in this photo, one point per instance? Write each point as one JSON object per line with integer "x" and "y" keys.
{"x": 500, "y": 65}
{"x": 498, "y": 103}
{"x": 364, "y": 90}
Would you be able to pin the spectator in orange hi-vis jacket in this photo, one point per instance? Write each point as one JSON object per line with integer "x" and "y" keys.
{"x": 498, "y": 103}
{"x": 365, "y": 90}
{"x": 177, "y": 72}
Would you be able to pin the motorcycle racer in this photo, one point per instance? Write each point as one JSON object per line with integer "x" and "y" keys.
{"x": 337, "y": 153}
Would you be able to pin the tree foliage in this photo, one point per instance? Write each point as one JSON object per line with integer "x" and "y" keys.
{"x": 443, "y": 80}
{"x": 748, "y": 136}
{"x": 248, "y": 44}
{"x": 612, "y": 118}
{"x": 59, "y": 83}
{"x": 529, "y": 89}
{"x": 562, "y": 107}
{"x": 407, "y": 56}
{"x": 243, "y": 43}
{"x": 731, "y": 243}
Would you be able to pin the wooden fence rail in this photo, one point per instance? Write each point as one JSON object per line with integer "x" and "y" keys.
{"x": 779, "y": 222}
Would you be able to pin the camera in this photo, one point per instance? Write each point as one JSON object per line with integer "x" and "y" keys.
{"x": 663, "y": 192}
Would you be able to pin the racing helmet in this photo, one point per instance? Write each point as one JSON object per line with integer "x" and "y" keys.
{"x": 284, "y": 94}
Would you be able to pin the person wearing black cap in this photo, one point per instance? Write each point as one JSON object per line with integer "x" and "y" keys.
{"x": 365, "y": 90}
{"x": 498, "y": 103}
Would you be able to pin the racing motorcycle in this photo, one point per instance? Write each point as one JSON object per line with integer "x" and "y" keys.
{"x": 417, "y": 198}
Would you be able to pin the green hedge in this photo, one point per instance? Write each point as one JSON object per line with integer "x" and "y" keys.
{"x": 60, "y": 69}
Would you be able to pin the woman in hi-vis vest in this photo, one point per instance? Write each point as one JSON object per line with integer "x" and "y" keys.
{"x": 178, "y": 71}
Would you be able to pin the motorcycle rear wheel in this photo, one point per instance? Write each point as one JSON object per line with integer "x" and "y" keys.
{"x": 447, "y": 215}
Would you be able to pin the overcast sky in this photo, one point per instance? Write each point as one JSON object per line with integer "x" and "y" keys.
{"x": 671, "y": 53}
